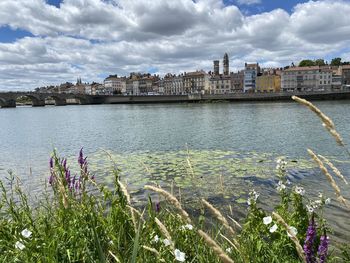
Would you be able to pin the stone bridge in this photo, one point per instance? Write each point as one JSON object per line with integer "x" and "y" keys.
{"x": 8, "y": 99}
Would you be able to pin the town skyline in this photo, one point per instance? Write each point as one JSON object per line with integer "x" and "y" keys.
{"x": 45, "y": 42}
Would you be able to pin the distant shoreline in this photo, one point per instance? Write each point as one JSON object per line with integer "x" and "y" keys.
{"x": 84, "y": 99}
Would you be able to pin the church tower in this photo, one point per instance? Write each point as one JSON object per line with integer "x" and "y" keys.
{"x": 216, "y": 67}
{"x": 226, "y": 65}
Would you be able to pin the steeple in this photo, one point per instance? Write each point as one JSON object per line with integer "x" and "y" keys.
{"x": 216, "y": 67}
{"x": 226, "y": 65}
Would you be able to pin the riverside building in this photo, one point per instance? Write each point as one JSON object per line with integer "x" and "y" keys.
{"x": 269, "y": 81}
{"x": 314, "y": 78}
{"x": 220, "y": 83}
{"x": 251, "y": 71}
{"x": 115, "y": 84}
{"x": 196, "y": 82}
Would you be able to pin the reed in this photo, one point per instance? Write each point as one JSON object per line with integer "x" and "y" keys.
{"x": 172, "y": 199}
{"x": 327, "y": 122}
{"x": 335, "y": 169}
{"x": 128, "y": 200}
{"x": 219, "y": 216}
{"x": 291, "y": 235}
{"x": 330, "y": 178}
{"x": 215, "y": 247}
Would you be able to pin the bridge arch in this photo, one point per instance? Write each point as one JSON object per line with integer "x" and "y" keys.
{"x": 2, "y": 102}
{"x": 58, "y": 100}
{"x": 81, "y": 99}
{"x": 35, "y": 101}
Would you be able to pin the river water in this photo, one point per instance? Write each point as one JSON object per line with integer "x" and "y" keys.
{"x": 218, "y": 151}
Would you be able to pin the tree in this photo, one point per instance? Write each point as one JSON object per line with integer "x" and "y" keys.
{"x": 320, "y": 62}
{"x": 336, "y": 62}
{"x": 306, "y": 63}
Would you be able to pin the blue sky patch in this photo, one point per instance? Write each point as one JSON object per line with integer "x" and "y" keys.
{"x": 249, "y": 8}
{"x": 9, "y": 35}
{"x": 54, "y": 2}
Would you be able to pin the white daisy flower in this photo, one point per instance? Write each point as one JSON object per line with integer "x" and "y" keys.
{"x": 273, "y": 228}
{"x": 166, "y": 242}
{"x": 280, "y": 186}
{"x": 228, "y": 250}
{"x": 156, "y": 239}
{"x": 267, "y": 220}
{"x": 19, "y": 245}
{"x": 26, "y": 233}
{"x": 179, "y": 256}
{"x": 309, "y": 208}
{"x": 293, "y": 231}
{"x": 188, "y": 226}
{"x": 299, "y": 190}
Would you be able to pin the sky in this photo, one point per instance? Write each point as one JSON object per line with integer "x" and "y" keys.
{"x": 48, "y": 42}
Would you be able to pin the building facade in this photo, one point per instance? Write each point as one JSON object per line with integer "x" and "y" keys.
{"x": 237, "y": 81}
{"x": 196, "y": 82}
{"x": 345, "y": 72}
{"x": 251, "y": 71}
{"x": 220, "y": 84}
{"x": 115, "y": 84}
{"x": 312, "y": 78}
{"x": 268, "y": 83}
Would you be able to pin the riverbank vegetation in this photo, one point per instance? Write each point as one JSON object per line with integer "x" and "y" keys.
{"x": 80, "y": 220}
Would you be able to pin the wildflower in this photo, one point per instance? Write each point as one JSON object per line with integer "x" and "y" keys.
{"x": 253, "y": 196}
{"x": 51, "y": 163}
{"x": 179, "y": 256}
{"x": 228, "y": 250}
{"x": 293, "y": 230}
{"x": 51, "y": 179}
{"x": 310, "y": 208}
{"x": 309, "y": 241}
{"x": 158, "y": 207}
{"x": 280, "y": 186}
{"x": 327, "y": 201}
{"x": 281, "y": 164}
{"x": 19, "y": 245}
{"x": 267, "y": 220}
{"x": 273, "y": 228}
{"x": 81, "y": 158}
{"x": 323, "y": 248}
{"x": 166, "y": 242}
{"x": 26, "y": 233}
{"x": 299, "y": 190}
{"x": 156, "y": 239}
{"x": 64, "y": 163}
{"x": 188, "y": 226}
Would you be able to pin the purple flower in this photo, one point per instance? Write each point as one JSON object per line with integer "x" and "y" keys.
{"x": 65, "y": 164}
{"x": 158, "y": 207}
{"x": 323, "y": 248}
{"x": 51, "y": 179}
{"x": 309, "y": 241}
{"x": 51, "y": 163}
{"x": 81, "y": 158}
{"x": 68, "y": 178}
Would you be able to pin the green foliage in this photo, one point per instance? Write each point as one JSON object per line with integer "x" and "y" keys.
{"x": 320, "y": 62}
{"x": 307, "y": 63}
{"x": 336, "y": 62}
{"x": 92, "y": 223}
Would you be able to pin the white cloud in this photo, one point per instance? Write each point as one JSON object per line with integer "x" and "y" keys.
{"x": 90, "y": 38}
{"x": 248, "y": 2}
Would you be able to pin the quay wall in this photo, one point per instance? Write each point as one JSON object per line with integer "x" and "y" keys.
{"x": 237, "y": 97}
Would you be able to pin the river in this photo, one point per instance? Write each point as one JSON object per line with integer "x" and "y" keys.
{"x": 219, "y": 151}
